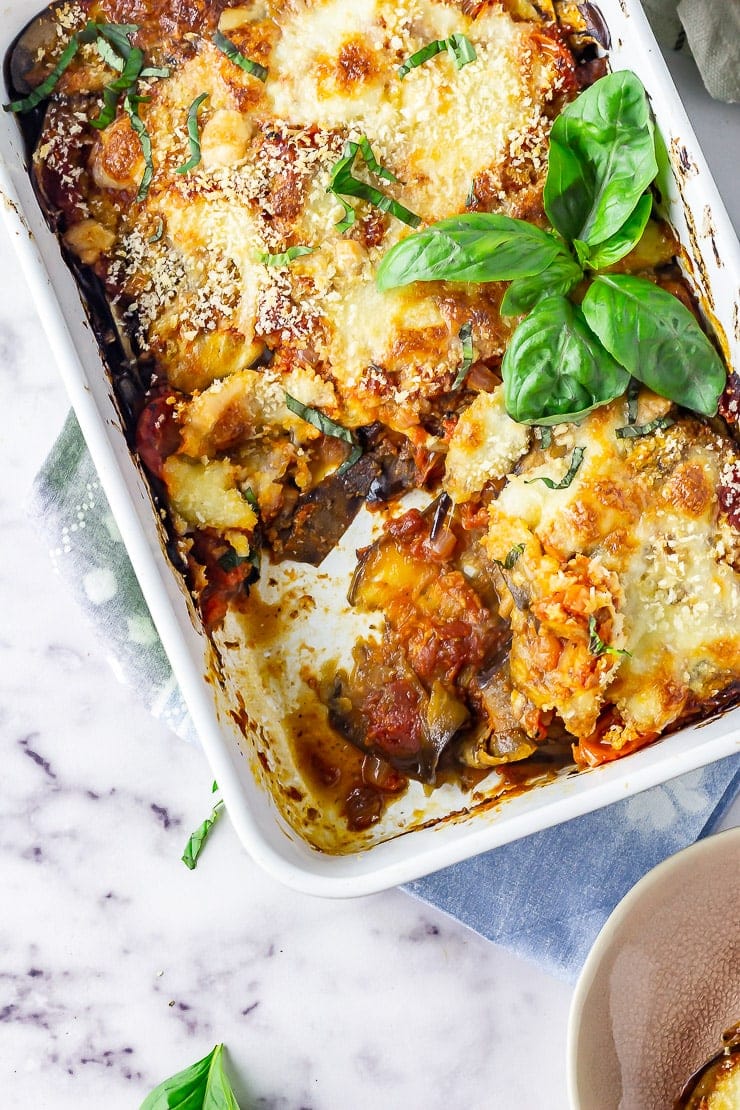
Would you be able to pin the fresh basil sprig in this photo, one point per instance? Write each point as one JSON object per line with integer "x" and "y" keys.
{"x": 193, "y": 135}
{"x": 555, "y": 368}
{"x": 601, "y": 160}
{"x": 458, "y": 46}
{"x": 476, "y": 246}
{"x": 564, "y": 361}
{"x": 232, "y": 52}
{"x": 343, "y": 184}
{"x": 657, "y": 339}
{"x": 202, "y": 1086}
{"x": 620, "y": 243}
{"x": 329, "y": 427}
{"x": 525, "y": 292}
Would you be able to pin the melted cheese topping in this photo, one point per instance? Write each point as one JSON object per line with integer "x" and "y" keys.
{"x": 659, "y": 584}
{"x": 267, "y": 151}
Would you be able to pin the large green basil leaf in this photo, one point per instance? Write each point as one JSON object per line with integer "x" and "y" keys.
{"x": 602, "y": 159}
{"x": 477, "y": 246}
{"x": 619, "y": 244}
{"x": 555, "y": 369}
{"x": 524, "y": 293}
{"x": 657, "y": 339}
{"x": 202, "y": 1086}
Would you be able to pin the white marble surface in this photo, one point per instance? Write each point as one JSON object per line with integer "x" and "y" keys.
{"x": 118, "y": 966}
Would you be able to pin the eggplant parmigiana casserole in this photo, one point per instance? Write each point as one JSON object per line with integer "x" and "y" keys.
{"x": 403, "y": 345}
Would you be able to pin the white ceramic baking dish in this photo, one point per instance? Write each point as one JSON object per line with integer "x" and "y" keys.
{"x": 696, "y": 212}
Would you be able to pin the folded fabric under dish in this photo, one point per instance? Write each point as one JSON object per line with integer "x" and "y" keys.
{"x": 544, "y": 897}
{"x": 711, "y": 30}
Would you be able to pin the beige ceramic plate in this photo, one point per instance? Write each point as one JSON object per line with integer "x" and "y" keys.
{"x": 661, "y": 983}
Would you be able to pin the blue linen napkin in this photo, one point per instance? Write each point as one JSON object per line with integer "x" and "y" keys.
{"x": 544, "y": 897}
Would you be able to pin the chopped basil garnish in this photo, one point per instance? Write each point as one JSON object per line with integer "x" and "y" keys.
{"x": 202, "y": 1086}
{"x": 123, "y": 84}
{"x": 578, "y": 453}
{"x": 109, "y": 55}
{"x": 131, "y": 107}
{"x": 343, "y": 184}
{"x": 112, "y": 42}
{"x": 635, "y": 431}
{"x": 117, "y": 34}
{"x": 227, "y": 47}
{"x": 194, "y": 846}
{"x": 471, "y": 198}
{"x": 329, "y": 427}
{"x": 47, "y": 86}
{"x": 155, "y": 71}
{"x": 249, "y": 497}
{"x": 159, "y": 231}
{"x": 597, "y": 646}
{"x": 372, "y": 162}
{"x": 193, "y": 135}
{"x": 465, "y": 335}
{"x": 545, "y": 436}
{"x": 511, "y": 559}
{"x": 458, "y": 46}
{"x": 285, "y": 257}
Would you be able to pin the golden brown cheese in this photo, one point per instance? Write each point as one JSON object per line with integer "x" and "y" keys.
{"x": 267, "y": 150}
{"x": 638, "y": 543}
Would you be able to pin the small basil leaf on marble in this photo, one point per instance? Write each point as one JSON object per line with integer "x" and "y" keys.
{"x": 657, "y": 339}
{"x": 601, "y": 160}
{"x": 202, "y": 1086}
{"x": 555, "y": 369}
{"x": 619, "y": 244}
{"x": 197, "y": 839}
{"x": 476, "y": 246}
{"x": 525, "y": 292}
